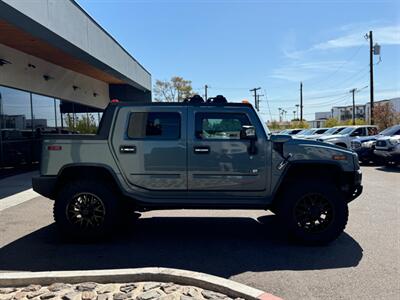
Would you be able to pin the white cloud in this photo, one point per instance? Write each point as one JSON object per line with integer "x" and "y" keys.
{"x": 387, "y": 35}
{"x": 304, "y": 71}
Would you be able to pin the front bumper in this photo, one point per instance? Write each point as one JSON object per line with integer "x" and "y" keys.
{"x": 388, "y": 154}
{"x": 365, "y": 154}
{"x": 45, "y": 185}
{"x": 353, "y": 188}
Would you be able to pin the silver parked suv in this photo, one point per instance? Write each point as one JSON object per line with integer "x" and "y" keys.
{"x": 388, "y": 147}
{"x": 344, "y": 138}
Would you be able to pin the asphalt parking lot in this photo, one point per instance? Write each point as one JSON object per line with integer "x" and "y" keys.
{"x": 245, "y": 246}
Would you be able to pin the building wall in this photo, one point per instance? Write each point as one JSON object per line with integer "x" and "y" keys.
{"x": 323, "y": 115}
{"x": 344, "y": 113}
{"x": 18, "y": 74}
{"x": 316, "y": 123}
{"x": 68, "y": 21}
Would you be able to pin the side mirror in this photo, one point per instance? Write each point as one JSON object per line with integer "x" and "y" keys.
{"x": 248, "y": 133}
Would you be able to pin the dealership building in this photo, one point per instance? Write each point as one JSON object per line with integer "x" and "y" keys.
{"x": 58, "y": 66}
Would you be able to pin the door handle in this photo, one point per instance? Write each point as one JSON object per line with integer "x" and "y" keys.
{"x": 127, "y": 149}
{"x": 201, "y": 149}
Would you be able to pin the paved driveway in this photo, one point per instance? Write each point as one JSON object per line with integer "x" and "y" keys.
{"x": 246, "y": 246}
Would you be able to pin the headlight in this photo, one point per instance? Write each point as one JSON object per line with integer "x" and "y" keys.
{"x": 355, "y": 145}
{"x": 393, "y": 142}
{"x": 368, "y": 144}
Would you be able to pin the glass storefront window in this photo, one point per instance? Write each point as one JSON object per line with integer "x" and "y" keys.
{"x": 44, "y": 113}
{"x": 25, "y": 117}
{"x": 15, "y": 109}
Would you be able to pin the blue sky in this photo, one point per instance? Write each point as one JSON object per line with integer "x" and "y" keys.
{"x": 236, "y": 45}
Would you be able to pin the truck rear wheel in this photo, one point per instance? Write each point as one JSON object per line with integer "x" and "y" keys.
{"x": 313, "y": 213}
{"x": 86, "y": 209}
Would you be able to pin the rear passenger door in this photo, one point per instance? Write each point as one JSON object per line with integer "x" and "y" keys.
{"x": 218, "y": 159}
{"x": 150, "y": 145}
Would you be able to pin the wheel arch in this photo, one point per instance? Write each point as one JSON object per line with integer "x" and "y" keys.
{"x": 327, "y": 171}
{"x": 87, "y": 171}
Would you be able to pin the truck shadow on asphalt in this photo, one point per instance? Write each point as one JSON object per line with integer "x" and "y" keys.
{"x": 218, "y": 246}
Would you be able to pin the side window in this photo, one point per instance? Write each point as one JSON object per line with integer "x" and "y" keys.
{"x": 220, "y": 125}
{"x": 154, "y": 125}
{"x": 358, "y": 132}
{"x": 372, "y": 131}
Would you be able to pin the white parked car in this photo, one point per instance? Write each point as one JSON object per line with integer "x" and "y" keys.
{"x": 307, "y": 133}
{"x": 330, "y": 131}
{"x": 345, "y": 136}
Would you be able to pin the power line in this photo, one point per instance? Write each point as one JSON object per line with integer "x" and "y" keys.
{"x": 339, "y": 67}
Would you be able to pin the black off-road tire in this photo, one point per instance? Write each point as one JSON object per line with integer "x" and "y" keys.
{"x": 107, "y": 200}
{"x": 292, "y": 201}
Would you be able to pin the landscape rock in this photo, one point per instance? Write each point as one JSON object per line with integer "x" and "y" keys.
{"x": 106, "y": 288}
{"x": 48, "y": 295}
{"x": 7, "y": 290}
{"x": 19, "y": 295}
{"x": 104, "y": 297}
{"x": 150, "y": 286}
{"x": 72, "y": 296}
{"x": 31, "y": 288}
{"x": 86, "y": 286}
{"x": 212, "y": 295}
{"x": 55, "y": 287}
{"x": 153, "y": 294}
{"x": 120, "y": 296}
{"x": 127, "y": 288}
{"x": 35, "y": 294}
{"x": 89, "y": 295}
{"x": 170, "y": 288}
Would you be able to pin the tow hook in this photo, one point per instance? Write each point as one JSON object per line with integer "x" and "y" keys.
{"x": 284, "y": 162}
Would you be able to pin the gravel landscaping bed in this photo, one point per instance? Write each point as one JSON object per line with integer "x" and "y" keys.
{"x": 112, "y": 291}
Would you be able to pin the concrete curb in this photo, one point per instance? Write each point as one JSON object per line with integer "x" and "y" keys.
{"x": 182, "y": 277}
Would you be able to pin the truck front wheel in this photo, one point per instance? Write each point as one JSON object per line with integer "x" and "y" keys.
{"x": 313, "y": 213}
{"x": 86, "y": 209}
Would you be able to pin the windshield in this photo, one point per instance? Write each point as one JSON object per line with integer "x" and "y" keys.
{"x": 347, "y": 130}
{"x": 331, "y": 130}
{"x": 306, "y": 132}
{"x": 391, "y": 130}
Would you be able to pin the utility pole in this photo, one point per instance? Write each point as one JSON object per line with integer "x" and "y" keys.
{"x": 301, "y": 101}
{"x": 371, "y": 76}
{"x": 354, "y": 106}
{"x": 205, "y": 91}
{"x": 255, "y": 97}
{"x": 373, "y": 50}
{"x": 280, "y": 116}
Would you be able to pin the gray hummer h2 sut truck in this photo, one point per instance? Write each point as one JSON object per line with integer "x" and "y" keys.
{"x": 195, "y": 155}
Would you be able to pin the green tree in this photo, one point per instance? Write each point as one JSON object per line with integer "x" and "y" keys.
{"x": 174, "y": 90}
{"x": 350, "y": 122}
{"x": 331, "y": 122}
{"x": 299, "y": 124}
{"x": 86, "y": 124}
